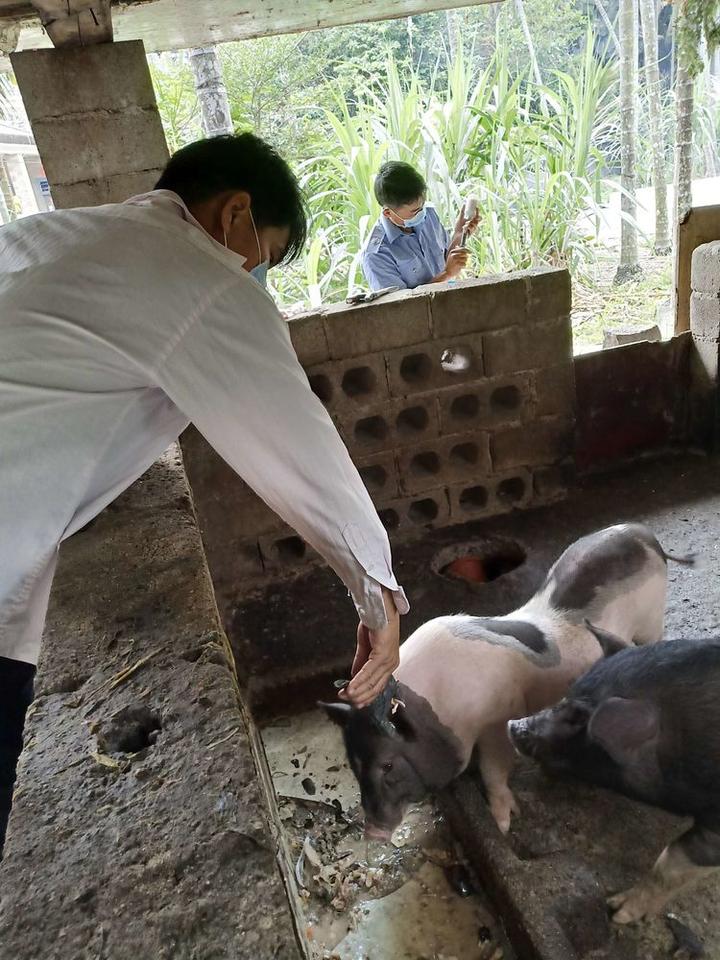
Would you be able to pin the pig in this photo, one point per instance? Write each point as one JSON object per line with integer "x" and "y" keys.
{"x": 642, "y": 722}
{"x": 461, "y": 678}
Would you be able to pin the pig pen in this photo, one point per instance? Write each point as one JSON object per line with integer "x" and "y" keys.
{"x": 152, "y": 809}
{"x": 486, "y": 448}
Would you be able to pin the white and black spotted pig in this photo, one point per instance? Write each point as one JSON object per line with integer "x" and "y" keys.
{"x": 462, "y": 678}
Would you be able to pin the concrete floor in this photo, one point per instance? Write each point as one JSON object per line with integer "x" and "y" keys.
{"x": 573, "y": 845}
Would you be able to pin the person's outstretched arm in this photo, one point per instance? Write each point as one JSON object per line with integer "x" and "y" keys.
{"x": 232, "y": 370}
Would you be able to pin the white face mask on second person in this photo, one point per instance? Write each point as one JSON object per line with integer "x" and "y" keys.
{"x": 259, "y": 272}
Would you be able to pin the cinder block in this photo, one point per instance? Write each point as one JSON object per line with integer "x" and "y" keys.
{"x": 350, "y": 385}
{"x": 285, "y": 552}
{"x": 555, "y": 391}
{"x": 399, "y": 423}
{"x": 394, "y": 321}
{"x": 471, "y": 306}
{"x": 308, "y": 339}
{"x": 705, "y": 363}
{"x": 538, "y": 345}
{"x": 452, "y": 459}
{"x": 537, "y": 443}
{"x": 486, "y": 403}
{"x": 89, "y": 193}
{"x": 549, "y": 294}
{"x": 98, "y": 146}
{"x": 469, "y": 501}
{"x": 106, "y": 76}
{"x": 705, "y": 315}
{"x": 434, "y": 365}
{"x": 380, "y": 475}
{"x": 705, "y": 269}
{"x": 511, "y": 491}
{"x": 411, "y": 515}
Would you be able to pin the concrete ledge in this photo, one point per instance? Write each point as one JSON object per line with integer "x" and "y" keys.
{"x": 140, "y": 826}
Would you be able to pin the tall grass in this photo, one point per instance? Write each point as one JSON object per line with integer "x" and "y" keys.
{"x": 532, "y": 153}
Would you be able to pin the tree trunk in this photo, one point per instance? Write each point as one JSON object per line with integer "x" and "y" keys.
{"x": 612, "y": 35}
{"x": 683, "y": 138}
{"x": 652, "y": 80}
{"x": 211, "y": 92}
{"x": 629, "y": 266}
{"x": 520, "y": 9}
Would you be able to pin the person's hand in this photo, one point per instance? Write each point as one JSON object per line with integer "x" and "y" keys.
{"x": 467, "y": 226}
{"x": 377, "y": 655}
{"x": 456, "y": 262}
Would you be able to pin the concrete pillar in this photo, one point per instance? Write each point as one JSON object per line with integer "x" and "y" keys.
{"x": 705, "y": 328}
{"x": 95, "y": 120}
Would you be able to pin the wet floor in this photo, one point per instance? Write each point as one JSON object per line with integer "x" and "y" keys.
{"x": 411, "y": 899}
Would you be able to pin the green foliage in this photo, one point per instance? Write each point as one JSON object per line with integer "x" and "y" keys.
{"x": 698, "y": 21}
{"x": 176, "y": 99}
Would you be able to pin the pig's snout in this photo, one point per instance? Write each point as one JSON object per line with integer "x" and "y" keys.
{"x": 520, "y": 733}
{"x": 374, "y": 832}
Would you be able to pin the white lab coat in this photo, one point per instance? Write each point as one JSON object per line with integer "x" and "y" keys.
{"x": 118, "y": 325}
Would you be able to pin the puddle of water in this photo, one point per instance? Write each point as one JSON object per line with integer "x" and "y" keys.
{"x": 411, "y": 899}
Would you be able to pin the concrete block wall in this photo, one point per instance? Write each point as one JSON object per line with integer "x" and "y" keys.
{"x": 95, "y": 120}
{"x": 705, "y": 358}
{"x": 454, "y": 402}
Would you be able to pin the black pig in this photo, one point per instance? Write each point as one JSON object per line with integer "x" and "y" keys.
{"x": 646, "y": 723}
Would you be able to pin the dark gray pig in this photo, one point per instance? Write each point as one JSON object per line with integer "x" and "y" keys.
{"x": 461, "y": 678}
{"x": 646, "y": 723}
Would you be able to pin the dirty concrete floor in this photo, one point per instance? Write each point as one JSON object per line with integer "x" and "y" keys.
{"x": 568, "y": 830}
{"x": 411, "y": 899}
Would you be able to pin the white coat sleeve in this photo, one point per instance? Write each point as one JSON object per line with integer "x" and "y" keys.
{"x": 233, "y": 372}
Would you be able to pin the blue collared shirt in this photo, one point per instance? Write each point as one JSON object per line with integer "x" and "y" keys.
{"x": 393, "y": 258}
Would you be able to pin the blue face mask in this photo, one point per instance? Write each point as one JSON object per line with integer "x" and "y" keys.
{"x": 413, "y": 221}
{"x": 260, "y": 272}
{"x": 417, "y": 219}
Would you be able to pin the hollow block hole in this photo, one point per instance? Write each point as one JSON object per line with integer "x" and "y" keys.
{"x": 358, "y": 381}
{"x": 389, "y": 519}
{"x": 290, "y": 549}
{"x": 456, "y": 359}
{"x": 321, "y": 386}
{"x": 465, "y": 407}
{"x": 416, "y": 367}
{"x": 423, "y": 511}
{"x": 371, "y": 430}
{"x": 374, "y": 477}
{"x": 411, "y": 421}
{"x": 511, "y": 490}
{"x": 505, "y": 399}
{"x": 473, "y": 498}
{"x": 425, "y": 464}
{"x": 464, "y": 455}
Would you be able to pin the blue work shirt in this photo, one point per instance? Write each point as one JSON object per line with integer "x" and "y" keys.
{"x": 393, "y": 258}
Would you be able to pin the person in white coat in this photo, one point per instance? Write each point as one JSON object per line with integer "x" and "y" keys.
{"x": 119, "y": 325}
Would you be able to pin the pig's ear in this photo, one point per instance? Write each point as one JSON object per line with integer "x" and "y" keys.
{"x": 625, "y": 728}
{"x": 339, "y": 713}
{"x": 402, "y": 723}
{"x": 608, "y": 641}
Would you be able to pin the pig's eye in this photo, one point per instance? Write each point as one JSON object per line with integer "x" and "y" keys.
{"x": 387, "y": 767}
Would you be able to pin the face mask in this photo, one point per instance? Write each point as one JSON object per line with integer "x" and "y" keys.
{"x": 260, "y": 271}
{"x": 416, "y": 220}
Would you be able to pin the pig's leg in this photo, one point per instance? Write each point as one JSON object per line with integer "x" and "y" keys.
{"x": 497, "y": 756}
{"x": 691, "y": 857}
{"x": 653, "y": 601}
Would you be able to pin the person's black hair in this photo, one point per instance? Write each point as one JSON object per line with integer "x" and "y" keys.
{"x": 242, "y": 161}
{"x": 398, "y": 183}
